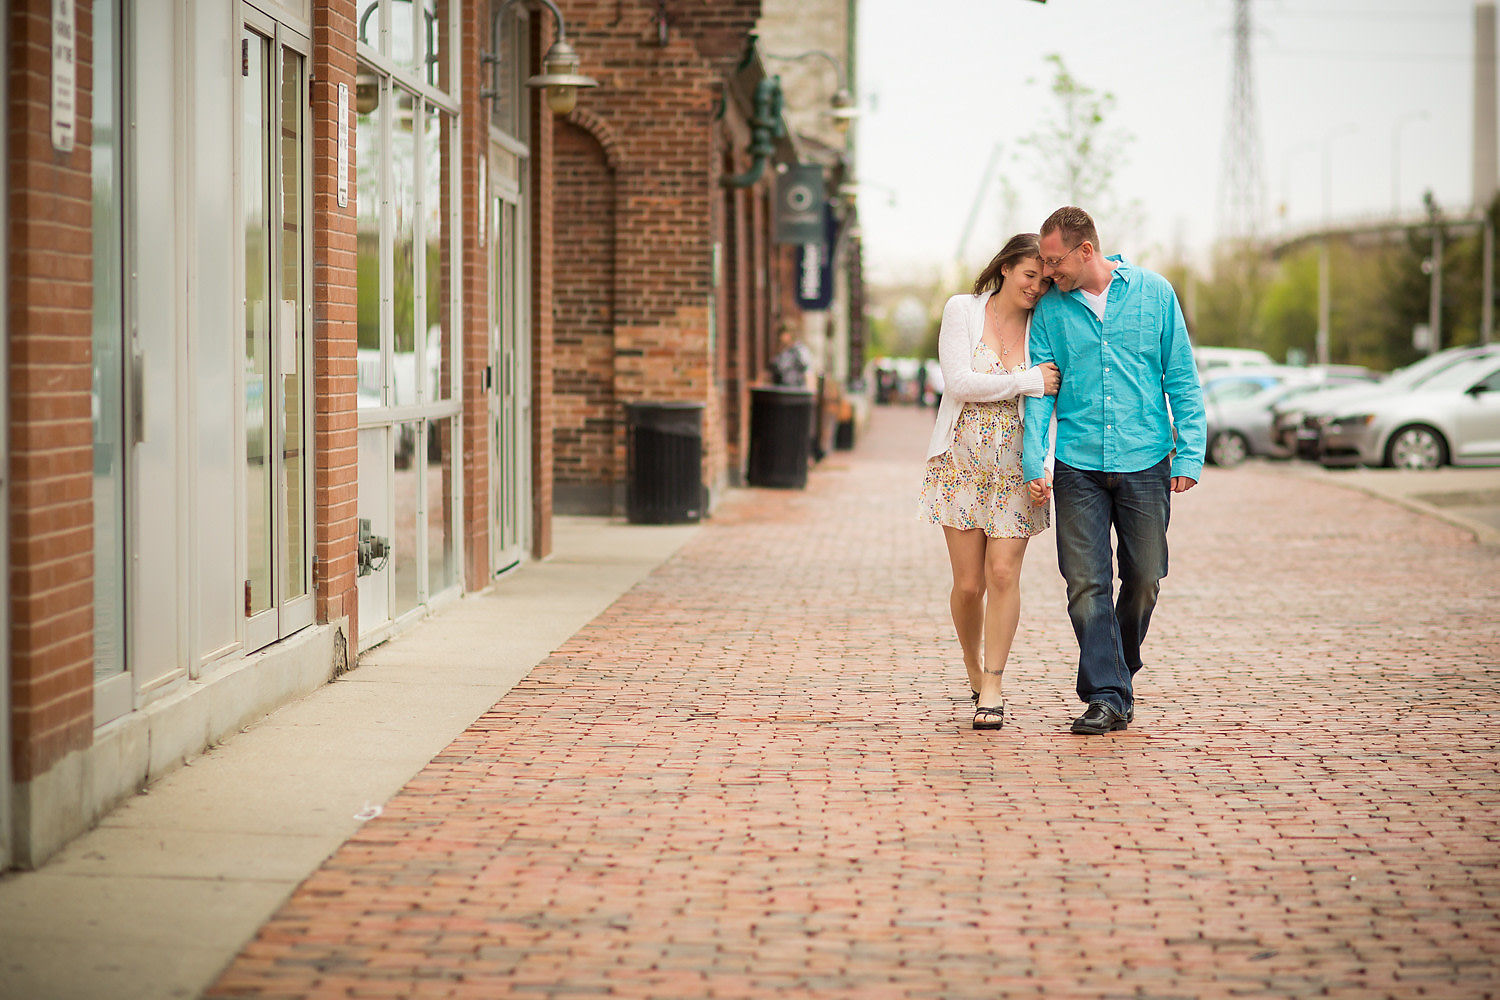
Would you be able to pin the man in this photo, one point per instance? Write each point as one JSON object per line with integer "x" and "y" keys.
{"x": 1116, "y": 332}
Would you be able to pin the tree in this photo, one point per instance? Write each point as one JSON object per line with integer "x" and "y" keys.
{"x": 1075, "y": 152}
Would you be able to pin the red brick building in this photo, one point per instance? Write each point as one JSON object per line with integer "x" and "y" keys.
{"x": 313, "y": 313}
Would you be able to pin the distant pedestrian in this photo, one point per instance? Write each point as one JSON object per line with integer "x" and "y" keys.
{"x": 1118, "y": 333}
{"x": 973, "y": 485}
{"x": 791, "y": 365}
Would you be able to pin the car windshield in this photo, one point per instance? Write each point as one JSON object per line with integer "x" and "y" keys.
{"x": 1418, "y": 372}
{"x": 1461, "y": 375}
{"x": 1226, "y": 389}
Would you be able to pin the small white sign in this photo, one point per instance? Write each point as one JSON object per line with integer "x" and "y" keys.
{"x": 64, "y": 75}
{"x": 343, "y": 145}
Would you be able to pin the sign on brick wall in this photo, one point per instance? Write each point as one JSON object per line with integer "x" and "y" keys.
{"x": 799, "y": 204}
{"x": 64, "y": 75}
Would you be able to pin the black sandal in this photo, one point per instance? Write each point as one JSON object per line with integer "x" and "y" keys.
{"x": 996, "y": 714}
{"x": 974, "y": 696}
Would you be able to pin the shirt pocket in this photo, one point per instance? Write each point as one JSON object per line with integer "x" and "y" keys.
{"x": 1144, "y": 334}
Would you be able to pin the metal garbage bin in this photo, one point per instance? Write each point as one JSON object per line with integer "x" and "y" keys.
{"x": 664, "y": 462}
{"x": 781, "y": 425}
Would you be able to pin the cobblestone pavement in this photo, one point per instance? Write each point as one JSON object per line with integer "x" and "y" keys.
{"x": 754, "y": 775}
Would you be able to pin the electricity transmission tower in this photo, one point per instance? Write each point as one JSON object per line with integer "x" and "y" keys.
{"x": 1240, "y": 196}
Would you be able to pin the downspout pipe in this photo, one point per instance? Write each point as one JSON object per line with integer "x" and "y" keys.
{"x": 765, "y": 128}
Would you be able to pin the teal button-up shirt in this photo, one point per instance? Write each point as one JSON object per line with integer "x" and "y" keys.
{"x": 1124, "y": 380}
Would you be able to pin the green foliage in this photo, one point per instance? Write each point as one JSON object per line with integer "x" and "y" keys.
{"x": 1073, "y": 150}
{"x": 1287, "y": 314}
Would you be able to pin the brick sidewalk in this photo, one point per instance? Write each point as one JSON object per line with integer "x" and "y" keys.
{"x": 754, "y": 776}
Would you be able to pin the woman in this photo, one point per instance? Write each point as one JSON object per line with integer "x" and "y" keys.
{"x": 973, "y": 486}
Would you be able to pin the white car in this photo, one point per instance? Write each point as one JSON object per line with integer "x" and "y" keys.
{"x": 1452, "y": 417}
{"x": 1212, "y": 359}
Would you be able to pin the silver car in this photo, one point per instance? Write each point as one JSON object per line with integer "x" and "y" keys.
{"x": 1240, "y": 426}
{"x": 1298, "y": 422}
{"x": 1452, "y": 417}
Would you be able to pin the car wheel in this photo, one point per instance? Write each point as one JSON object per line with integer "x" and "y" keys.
{"x": 1228, "y": 449}
{"x": 1416, "y": 447}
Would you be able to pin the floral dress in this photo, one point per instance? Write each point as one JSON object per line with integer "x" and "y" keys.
{"x": 977, "y": 482}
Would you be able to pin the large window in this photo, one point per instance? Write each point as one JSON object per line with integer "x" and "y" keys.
{"x": 406, "y": 242}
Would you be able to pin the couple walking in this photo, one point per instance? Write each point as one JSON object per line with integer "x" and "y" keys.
{"x": 1098, "y": 349}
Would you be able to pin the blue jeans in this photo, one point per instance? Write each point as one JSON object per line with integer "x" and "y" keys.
{"x": 1137, "y": 505}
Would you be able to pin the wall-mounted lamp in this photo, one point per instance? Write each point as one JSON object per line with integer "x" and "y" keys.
{"x": 841, "y": 107}
{"x": 766, "y": 127}
{"x": 559, "y": 75}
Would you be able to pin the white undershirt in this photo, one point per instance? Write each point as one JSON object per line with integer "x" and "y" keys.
{"x": 1096, "y": 302}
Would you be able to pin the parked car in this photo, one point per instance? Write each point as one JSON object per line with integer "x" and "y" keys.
{"x": 1240, "y": 426}
{"x": 1297, "y": 421}
{"x": 1451, "y": 417}
{"x": 1228, "y": 384}
{"x": 1212, "y": 358}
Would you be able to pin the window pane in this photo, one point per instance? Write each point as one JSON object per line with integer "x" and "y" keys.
{"x": 255, "y": 174}
{"x": 506, "y": 77}
{"x": 408, "y": 516}
{"x": 369, "y": 23}
{"x": 294, "y": 554}
{"x": 374, "y": 515}
{"x": 436, "y": 206}
{"x": 367, "y": 236}
{"x": 404, "y": 250}
{"x": 109, "y": 356}
{"x": 442, "y": 563}
{"x": 436, "y": 24}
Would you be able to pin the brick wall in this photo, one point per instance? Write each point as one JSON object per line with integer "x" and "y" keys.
{"x": 659, "y": 97}
{"x": 335, "y": 336}
{"x": 473, "y": 326}
{"x": 543, "y": 202}
{"x": 50, "y": 304}
{"x": 583, "y": 310}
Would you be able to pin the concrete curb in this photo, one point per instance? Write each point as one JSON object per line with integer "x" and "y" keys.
{"x": 1483, "y": 534}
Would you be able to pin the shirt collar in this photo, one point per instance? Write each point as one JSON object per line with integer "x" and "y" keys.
{"x": 1124, "y": 270}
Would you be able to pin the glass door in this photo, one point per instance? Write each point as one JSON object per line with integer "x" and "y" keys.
{"x": 507, "y": 386}
{"x": 113, "y": 692}
{"x": 273, "y": 211}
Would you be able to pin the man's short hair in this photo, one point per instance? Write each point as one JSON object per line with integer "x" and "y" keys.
{"x": 1074, "y": 224}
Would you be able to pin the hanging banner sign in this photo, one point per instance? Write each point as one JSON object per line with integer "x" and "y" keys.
{"x": 815, "y": 266}
{"x": 799, "y": 204}
{"x": 64, "y": 75}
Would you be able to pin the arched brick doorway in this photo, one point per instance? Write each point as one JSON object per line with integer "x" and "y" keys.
{"x": 586, "y": 480}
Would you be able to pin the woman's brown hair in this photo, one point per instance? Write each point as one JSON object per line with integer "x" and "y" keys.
{"x": 1017, "y": 248}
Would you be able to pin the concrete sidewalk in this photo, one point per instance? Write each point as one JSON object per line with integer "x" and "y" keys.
{"x": 155, "y": 900}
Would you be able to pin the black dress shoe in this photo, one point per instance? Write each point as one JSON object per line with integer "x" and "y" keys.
{"x": 1099, "y": 719}
{"x": 1130, "y": 713}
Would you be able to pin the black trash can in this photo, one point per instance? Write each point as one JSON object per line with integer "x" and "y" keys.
{"x": 664, "y": 462}
{"x": 781, "y": 425}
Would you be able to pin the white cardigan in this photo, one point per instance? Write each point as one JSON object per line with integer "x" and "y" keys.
{"x": 963, "y": 325}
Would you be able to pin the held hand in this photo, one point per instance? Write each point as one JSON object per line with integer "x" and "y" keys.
{"x": 1051, "y": 378}
{"x": 1040, "y": 490}
{"x": 1181, "y": 484}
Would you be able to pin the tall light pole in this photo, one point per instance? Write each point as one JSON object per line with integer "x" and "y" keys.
{"x": 1325, "y": 303}
{"x": 1415, "y": 116}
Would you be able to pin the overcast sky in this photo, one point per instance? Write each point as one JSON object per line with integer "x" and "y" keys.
{"x": 943, "y": 80}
